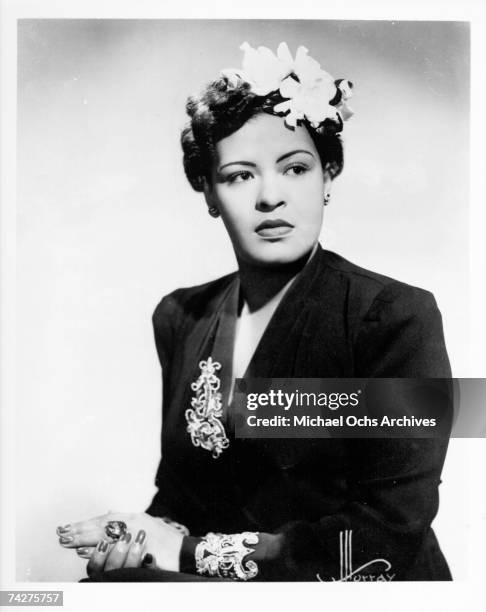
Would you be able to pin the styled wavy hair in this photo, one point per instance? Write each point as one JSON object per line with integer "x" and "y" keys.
{"x": 221, "y": 109}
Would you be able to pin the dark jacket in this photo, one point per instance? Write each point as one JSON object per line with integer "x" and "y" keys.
{"x": 336, "y": 320}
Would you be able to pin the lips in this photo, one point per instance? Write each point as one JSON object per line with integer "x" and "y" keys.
{"x": 274, "y": 228}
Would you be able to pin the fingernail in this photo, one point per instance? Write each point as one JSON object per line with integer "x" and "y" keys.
{"x": 64, "y": 529}
{"x": 82, "y": 551}
{"x": 126, "y": 537}
{"x": 140, "y": 537}
{"x": 147, "y": 560}
{"x": 66, "y": 539}
{"x": 102, "y": 546}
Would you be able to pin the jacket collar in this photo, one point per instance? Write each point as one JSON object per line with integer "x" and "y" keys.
{"x": 286, "y": 319}
{"x": 213, "y": 335}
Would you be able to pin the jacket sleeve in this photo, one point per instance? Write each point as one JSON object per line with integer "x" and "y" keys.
{"x": 164, "y": 321}
{"x": 393, "y": 484}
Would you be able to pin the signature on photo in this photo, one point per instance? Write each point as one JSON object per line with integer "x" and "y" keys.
{"x": 348, "y": 574}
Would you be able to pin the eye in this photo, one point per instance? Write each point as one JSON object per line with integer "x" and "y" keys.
{"x": 296, "y": 169}
{"x": 239, "y": 177}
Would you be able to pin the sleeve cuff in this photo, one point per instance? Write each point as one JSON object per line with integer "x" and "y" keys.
{"x": 268, "y": 548}
{"x": 187, "y": 560}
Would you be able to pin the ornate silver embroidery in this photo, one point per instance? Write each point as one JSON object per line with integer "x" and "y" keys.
{"x": 223, "y": 555}
{"x": 203, "y": 422}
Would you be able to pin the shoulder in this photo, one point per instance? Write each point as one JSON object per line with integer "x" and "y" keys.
{"x": 190, "y": 300}
{"x": 372, "y": 295}
{"x": 395, "y": 328}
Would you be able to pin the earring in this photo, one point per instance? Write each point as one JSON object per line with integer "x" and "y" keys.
{"x": 213, "y": 211}
{"x": 327, "y": 197}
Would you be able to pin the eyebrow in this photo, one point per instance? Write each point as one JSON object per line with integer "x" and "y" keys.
{"x": 281, "y": 158}
{"x": 241, "y": 163}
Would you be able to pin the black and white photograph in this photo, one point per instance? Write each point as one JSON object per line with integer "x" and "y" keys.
{"x": 200, "y": 202}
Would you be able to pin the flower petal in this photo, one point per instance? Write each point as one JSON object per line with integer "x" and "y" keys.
{"x": 283, "y": 54}
{"x": 267, "y": 54}
{"x": 282, "y": 107}
{"x": 263, "y": 69}
{"x": 291, "y": 119}
{"x": 289, "y": 88}
{"x": 264, "y": 88}
{"x": 345, "y": 111}
{"x": 232, "y": 75}
{"x": 305, "y": 67}
{"x": 301, "y": 53}
{"x": 245, "y": 47}
{"x": 324, "y": 90}
{"x": 346, "y": 89}
{"x": 250, "y": 58}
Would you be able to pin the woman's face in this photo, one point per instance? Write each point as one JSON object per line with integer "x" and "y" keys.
{"x": 268, "y": 185}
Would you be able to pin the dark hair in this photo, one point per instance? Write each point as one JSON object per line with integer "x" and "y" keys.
{"x": 221, "y": 109}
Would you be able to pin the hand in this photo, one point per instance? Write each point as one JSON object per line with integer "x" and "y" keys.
{"x": 123, "y": 553}
{"x": 162, "y": 541}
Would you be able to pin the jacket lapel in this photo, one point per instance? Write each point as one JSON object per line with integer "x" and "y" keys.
{"x": 276, "y": 352}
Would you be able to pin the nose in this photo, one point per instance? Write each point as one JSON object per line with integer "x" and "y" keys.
{"x": 270, "y": 195}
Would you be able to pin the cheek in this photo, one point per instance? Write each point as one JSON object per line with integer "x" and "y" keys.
{"x": 312, "y": 220}
{"x": 237, "y": 226}
{"x": 310, "y": 202}
{"x": 237, "y": 210}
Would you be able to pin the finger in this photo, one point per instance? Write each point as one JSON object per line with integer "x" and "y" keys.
{"x": 135, "y": 553}
{"x": 90, "y": 538}
{"x": 98, "y": 558}
{"x": 73, "y": 528}
{"x": 69, "y": 532}
{"x": 97, "y": 522}
{"x": 85, "y": 552}
{"x": 118, "y": 554}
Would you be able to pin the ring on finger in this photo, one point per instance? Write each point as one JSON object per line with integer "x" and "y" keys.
{"x": 115, "y": 529}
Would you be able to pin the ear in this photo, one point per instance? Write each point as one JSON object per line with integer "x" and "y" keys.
{"x": 327, "y": 177}
{"x": 211, "y": 200}
{"x": 208, "y": 193}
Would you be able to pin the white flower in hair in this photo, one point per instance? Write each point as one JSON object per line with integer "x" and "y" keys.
{"x": 309, "y": 96}
{"x": 262, "y": 69}
{"x": 346, "y": 89}
{"x": 307, "y": 88}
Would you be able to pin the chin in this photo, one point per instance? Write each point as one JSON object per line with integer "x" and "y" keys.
{"x": 277, "y": 253}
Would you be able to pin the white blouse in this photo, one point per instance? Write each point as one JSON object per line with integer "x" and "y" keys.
{"x": 250, "y": 327}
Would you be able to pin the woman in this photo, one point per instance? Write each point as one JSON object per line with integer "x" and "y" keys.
{"x": 263, "y": 145}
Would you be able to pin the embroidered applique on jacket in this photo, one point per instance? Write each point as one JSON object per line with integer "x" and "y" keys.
{"x": 203, "y": 419}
